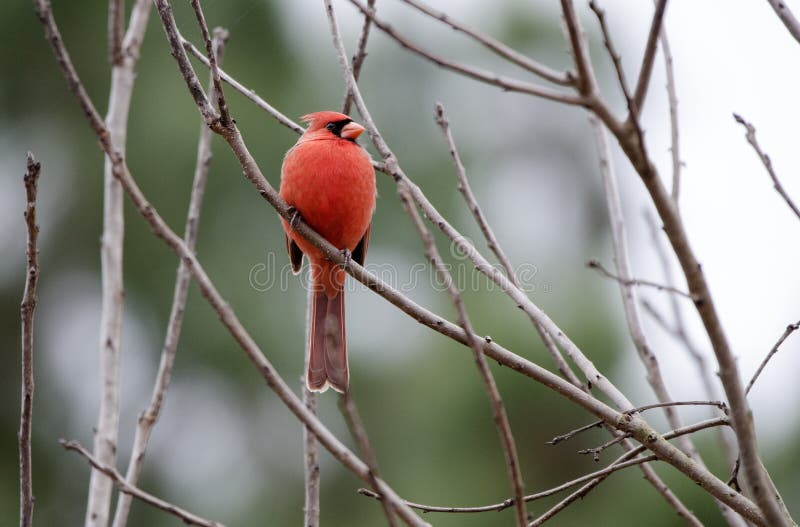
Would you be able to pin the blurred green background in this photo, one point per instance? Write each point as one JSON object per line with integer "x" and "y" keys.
{"x": 225, "y": 447}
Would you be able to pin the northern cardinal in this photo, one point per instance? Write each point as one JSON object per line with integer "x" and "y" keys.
{"x": 329, "y": 180}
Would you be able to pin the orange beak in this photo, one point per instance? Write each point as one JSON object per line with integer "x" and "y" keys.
{"x": 351, "y": 131}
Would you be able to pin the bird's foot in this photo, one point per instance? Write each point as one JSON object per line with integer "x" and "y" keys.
{"x": 294, "y": 217}
{"x": 347, "y": 257}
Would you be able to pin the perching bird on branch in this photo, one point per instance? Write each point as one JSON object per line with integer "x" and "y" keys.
{"x": 329, "y": 180}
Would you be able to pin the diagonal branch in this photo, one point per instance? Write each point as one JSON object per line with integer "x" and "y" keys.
{"x": 349, "y": 410}
{"x": 360, "y": 55}
{"x": 751, "y": 138}
{"x": 791, "y": 328}
{"x": 490, "y": 385}
{"x": 133, "y": 491}
{"x": 148, "y": 417}
{"x": 646, "y": 70}
{"x": 506, "y": 83}
{"x": 495, "y": 46}
{"x": 26, "y": 309}
{"x": 628, "y": 459}
{"x": 628, "y": 282}
{"x": 491, "y": 240}
{"x": 787, "y": 17}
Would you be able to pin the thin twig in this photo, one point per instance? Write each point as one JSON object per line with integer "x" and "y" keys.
{"x": 615, "y": 57}
{"x": 639, "y": 429}
{"x": 501, "y": 81}
{"x": 117, "y": 478}
{"x": 787, "y": 17}
{"x": 751, "y": 138}
{"x": 349, "y": 410}
{"x": 596, "y": 451}
{"x": 497, "y": 47}
{"x": 672, "y": 97}
{"x": 679, "y": 331}
{"x": 586, "y": 85}
{"x": 26, "y": 309}
{"x": 531, "y": 497}
{"x": 628, "y": 459}
{"x": 649, "y": 55}
{"x": 147, "y": 419}
{"x": 595, "y": 264}
{"x": 116, "y": 28}
{"x": 490, "y": 385}
{"x": 225, "y": 116}
{"x": 629, "y": 294}
{"x": 583, "y": 491}
{"x": 491, "y": 240}
{"x": 311, "y": 469}
{"x": 791, "y": 328}
{"x": 572, "y": 433}
{"x": 359, "y": 56}
{"x": 125, "y": 55}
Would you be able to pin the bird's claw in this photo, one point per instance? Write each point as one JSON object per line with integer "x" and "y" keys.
{"x": 346, "y": 256}
{"x": 294, "y": 217}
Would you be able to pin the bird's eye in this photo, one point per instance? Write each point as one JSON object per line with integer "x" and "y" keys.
{"x": 331, "y": 126}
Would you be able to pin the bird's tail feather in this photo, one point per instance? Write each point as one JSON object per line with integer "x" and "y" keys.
{"x": 327, "y": 365}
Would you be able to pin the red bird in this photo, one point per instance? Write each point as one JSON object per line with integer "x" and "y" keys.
{"x": 329, "y": 180}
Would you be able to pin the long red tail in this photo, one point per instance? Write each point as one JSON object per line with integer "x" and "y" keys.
{"x": 327, "y": 365}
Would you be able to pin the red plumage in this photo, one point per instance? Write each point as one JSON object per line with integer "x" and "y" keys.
{"x": 329, "y": 179}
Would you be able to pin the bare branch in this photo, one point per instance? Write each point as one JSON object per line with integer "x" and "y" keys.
{"x": 612, "y": 53}
{"x": 116, "y": 27}
{"x": 583, "y": 491}
{"x": 490, "y": 385}
{"x": 247, "y": 92}
{"x": 148, "y": 417}
{"x": 114, "y": 476}
{"x": 360, "y": 55}
{"x": 491, "y": 240}
{"x": 595, "y": 264}
{"x": 124, "y": 52}
{"x": 791, "y": 328}
{"x": 649, "y": 55}
{"x": 225, "y": 116}
{"x": 586, "y": 85}
{"x": 751, "y": 138}
{"x": 506, "y": 83}
{"x": 356, "y": 426}
{"x": 497, "y": 47}
{"x": 672, "y": 96}
{"x": 572, "y": 433}
{"x": 26, "y": 309}
{"x": 628, "y": 459}
{"x": 532, "y": 497}
{"x": 629, "y": 296}
{"x": 787, "y": 17}
{"x": 311, "y": 470}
